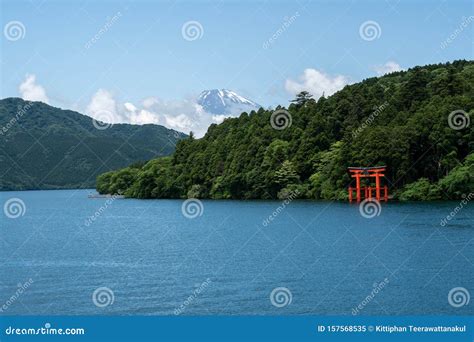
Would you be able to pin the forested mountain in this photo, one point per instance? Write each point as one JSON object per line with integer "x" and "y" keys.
{"x": 43, "y": 147}
{"x": 416, "y": 122}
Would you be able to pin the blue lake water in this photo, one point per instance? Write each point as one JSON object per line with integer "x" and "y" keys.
{"x": 154, "y": 260}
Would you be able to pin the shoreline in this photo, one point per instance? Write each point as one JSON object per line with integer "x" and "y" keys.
{"x": 95, "y": 195}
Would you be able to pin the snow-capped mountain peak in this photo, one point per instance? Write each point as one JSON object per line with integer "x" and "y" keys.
{"x": 223, "y": 101}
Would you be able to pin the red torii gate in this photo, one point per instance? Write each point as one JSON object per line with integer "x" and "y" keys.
{"x": 368, "y": 172}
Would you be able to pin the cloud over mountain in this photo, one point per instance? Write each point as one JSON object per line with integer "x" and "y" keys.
{"x": 32, "y": 91}
{"x": 103, "y": 107}
{"x": 317, "y": 83}
{"x": 387, "y": 68}
{"x": 190, "y": 114}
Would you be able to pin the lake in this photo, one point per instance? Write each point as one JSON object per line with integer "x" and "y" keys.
{"x": 66, "y": 254}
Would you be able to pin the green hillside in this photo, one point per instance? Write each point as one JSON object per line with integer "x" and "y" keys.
{"x": 43, "y": 147}
{"x": 399, "y": 120}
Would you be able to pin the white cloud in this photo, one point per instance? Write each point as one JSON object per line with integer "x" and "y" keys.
{"x": 149, "y": 101}
{"x": 183, "y": 115}
{"x": 32, "y": 91}
{"x": 218, "y": 118}
{"x": 145, "y": 117}
{"x": 139, "y": 116}
{"x": 387, "y": 68}
{"x": 103, "y": 107}
{"x": 180, "y": 122}
{"x": 130, "y": 107}
{"x": 317, "y": 83}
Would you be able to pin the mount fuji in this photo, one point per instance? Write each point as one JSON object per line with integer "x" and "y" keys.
{"x": 225, "y": 102}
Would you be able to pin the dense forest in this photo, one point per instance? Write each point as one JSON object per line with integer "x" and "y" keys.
{"x": 416, "y": 122}
{"x": 43, "y": 147}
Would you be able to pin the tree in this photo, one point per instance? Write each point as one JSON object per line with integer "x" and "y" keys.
{"x": 302, "y": 98}
{"x": 286, "y": 175}
{"x": 405, "y": 128}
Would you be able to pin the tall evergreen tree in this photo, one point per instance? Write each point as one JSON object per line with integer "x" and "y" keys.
{"x": 302, "y": 98}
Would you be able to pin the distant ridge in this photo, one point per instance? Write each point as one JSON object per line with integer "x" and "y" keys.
{"x": 43, "y": 147}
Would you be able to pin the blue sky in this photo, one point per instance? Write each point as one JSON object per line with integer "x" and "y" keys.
{"x": 140, "y": 52}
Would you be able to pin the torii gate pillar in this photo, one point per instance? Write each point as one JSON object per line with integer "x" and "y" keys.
{"x": 370, "y": 173}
